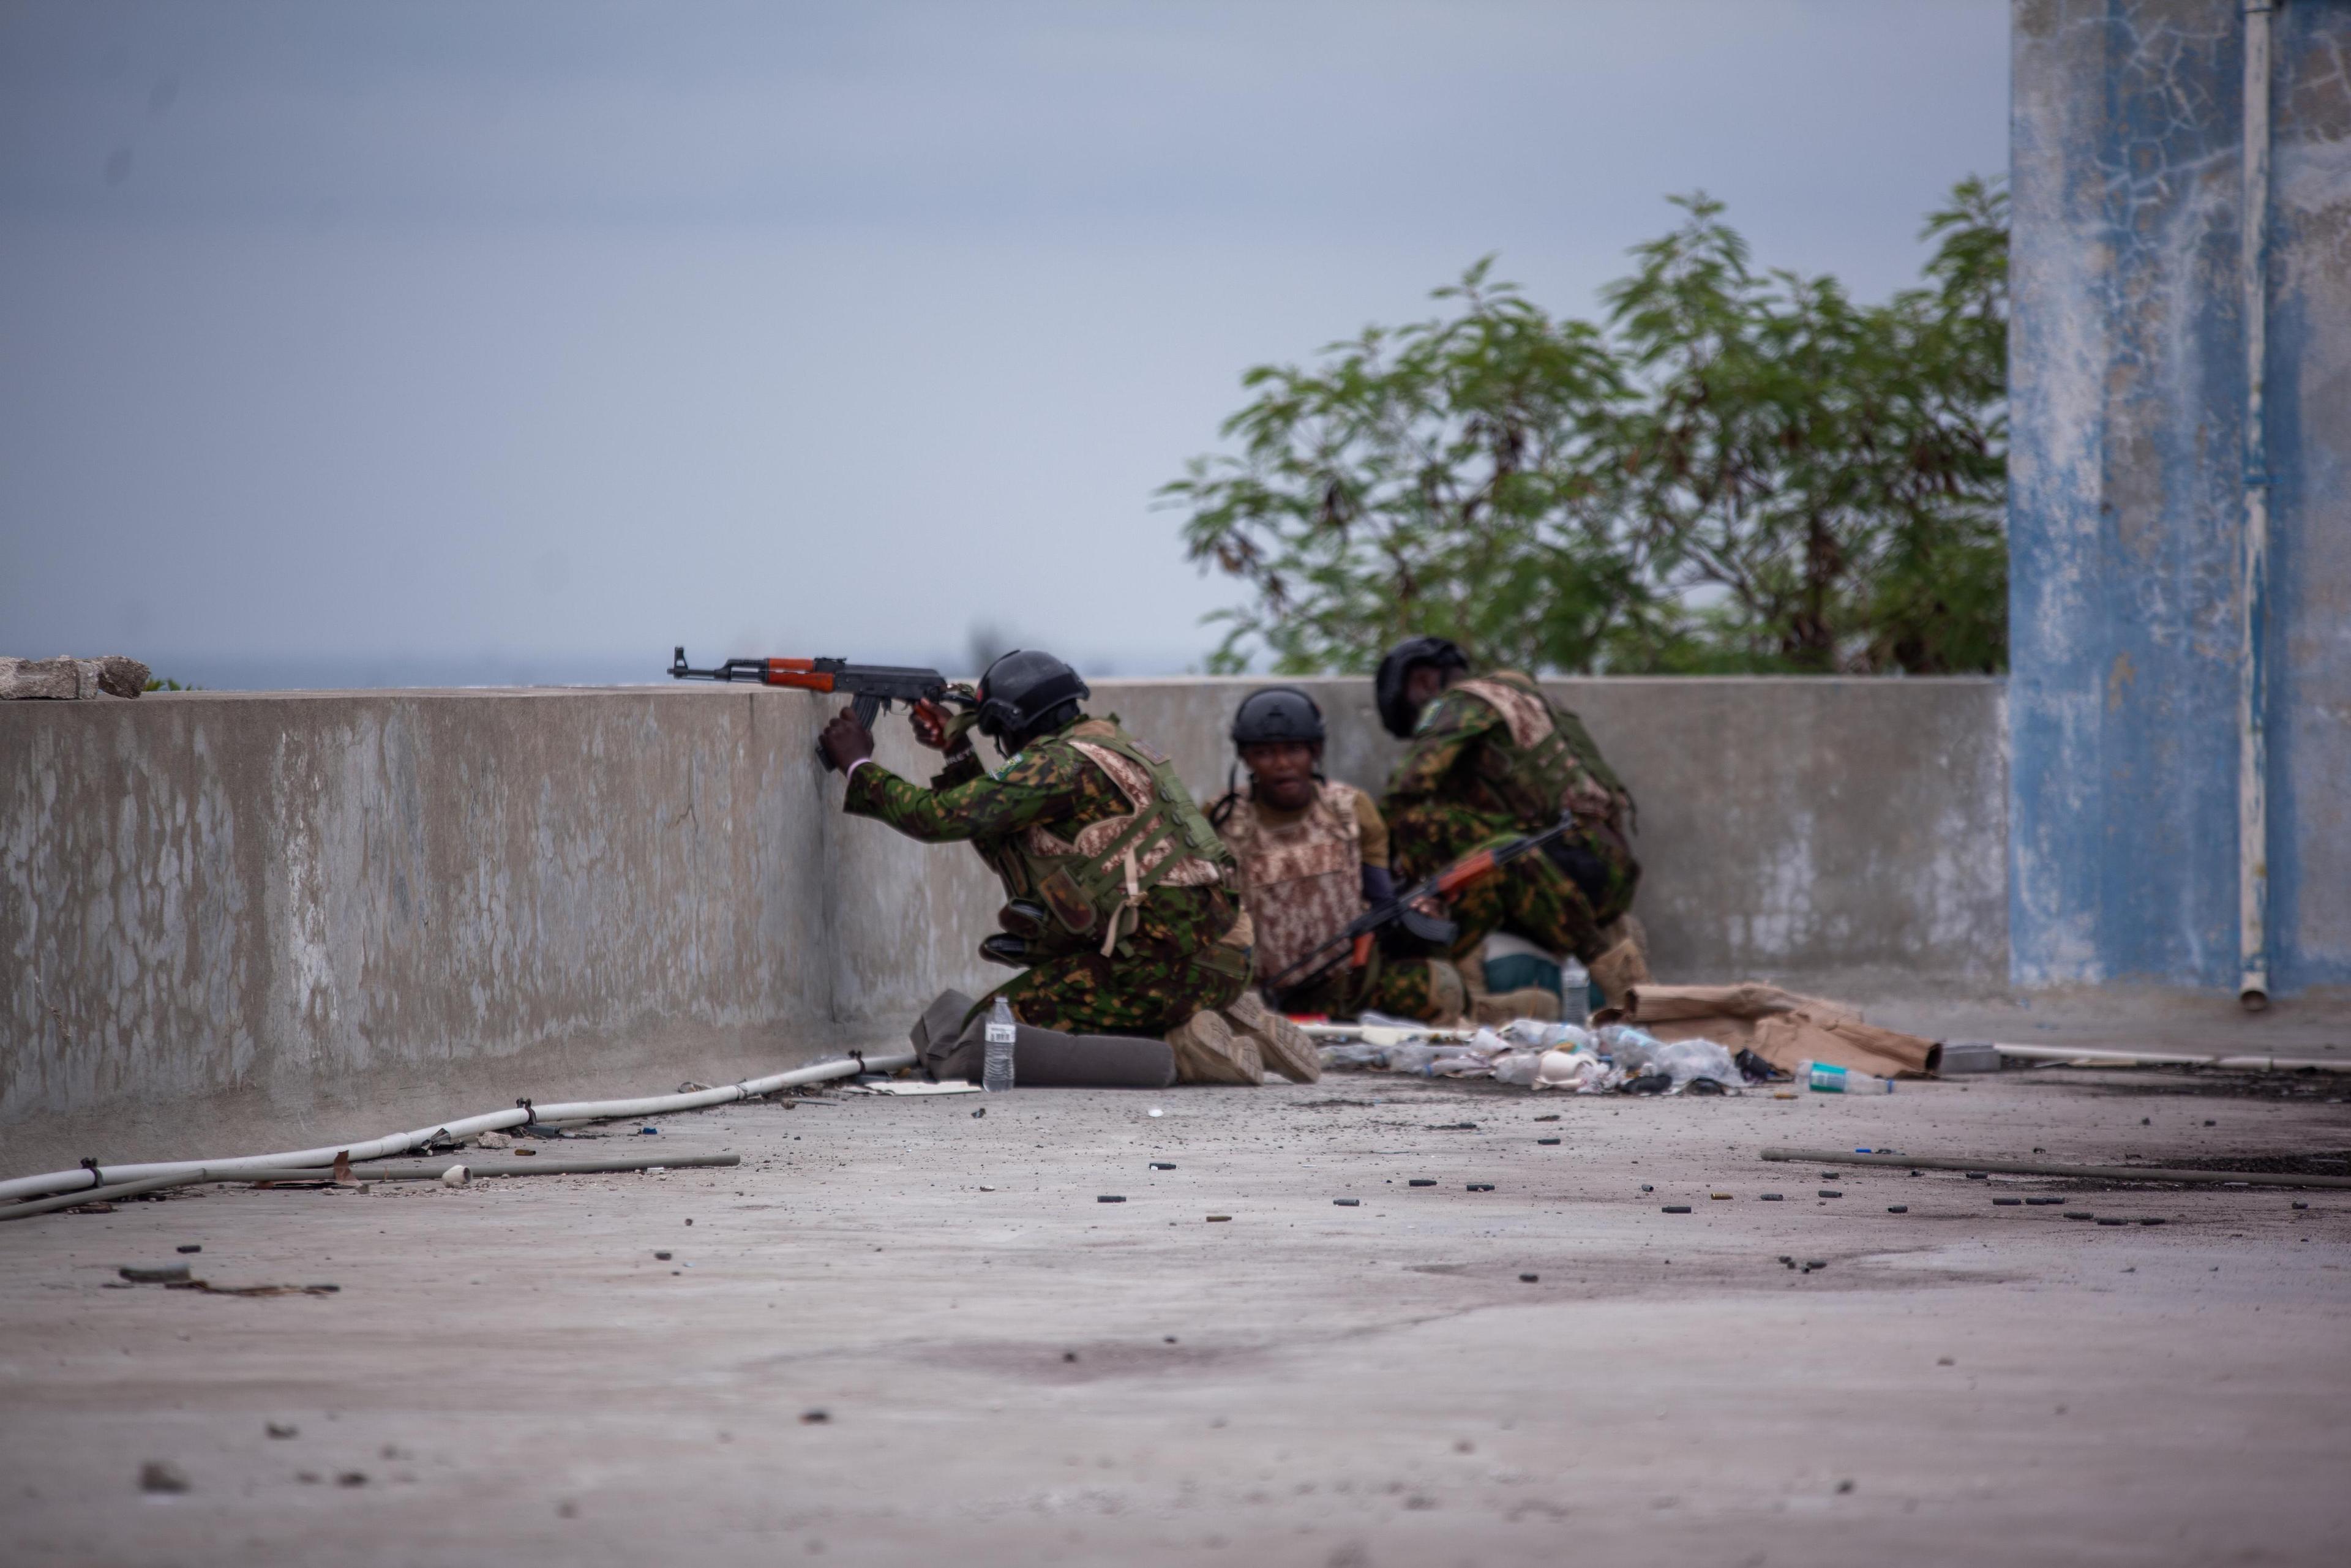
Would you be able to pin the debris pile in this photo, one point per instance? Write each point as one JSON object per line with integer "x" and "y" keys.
{"x": 1535, "y": 1054}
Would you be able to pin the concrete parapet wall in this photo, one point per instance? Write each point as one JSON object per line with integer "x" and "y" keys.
{"x": 302, "y": 896}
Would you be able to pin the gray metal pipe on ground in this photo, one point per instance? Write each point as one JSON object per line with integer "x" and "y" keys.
{"x": 2043, "y": 1167}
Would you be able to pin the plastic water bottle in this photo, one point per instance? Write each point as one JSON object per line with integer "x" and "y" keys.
{"x": 995, "y": 1075}
{"x": 1824, "y": 1078}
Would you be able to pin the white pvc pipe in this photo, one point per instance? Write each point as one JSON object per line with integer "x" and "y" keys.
{"x": 401, "y": 1142}
{"x": 2252, "y": 683}
{"x": 2168, "y": 1057}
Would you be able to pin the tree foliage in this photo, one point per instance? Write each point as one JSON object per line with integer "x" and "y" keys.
{"x": 1740, "y": 471}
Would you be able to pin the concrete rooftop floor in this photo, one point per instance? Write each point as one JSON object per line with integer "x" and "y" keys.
{"x": 1025, "y": 1375}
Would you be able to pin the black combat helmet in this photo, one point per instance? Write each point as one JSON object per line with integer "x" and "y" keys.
{"x": 1271, "y": 715}
{"x": 1389, "y": 686}
{"x": 1022, "y": 696}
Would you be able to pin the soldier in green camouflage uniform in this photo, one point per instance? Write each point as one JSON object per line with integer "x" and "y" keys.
{"x": 1491, "y": 758}
{"x": 1122, "y": 905}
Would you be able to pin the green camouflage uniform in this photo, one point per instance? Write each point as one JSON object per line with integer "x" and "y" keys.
{"x": 1167, "y": 967}
{"x": 1466, "y": 784}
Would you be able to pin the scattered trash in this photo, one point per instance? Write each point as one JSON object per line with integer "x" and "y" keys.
{"x": 1528, "y": 1279}
{"x": 1898, "y": 1209}
{"x": 2042, "y": 1202}
{"x": 520, "y": 1150}
{"x": 1769, "y": 1198}
{"x": 1163, "y": 1164}
{"x": 1978, "y": 1176}
{"x": 976, "y": 1115}
{"x": 2299, "y": 1204}
{"x": 1481, "y": 1186}
{"x": 2008, "y": 1203}
{"x": 1677, "y": 1208}
{"x": 282, "y": 1429}
{"x": 455, "y": 1176}
{"x": 648, "y": 1132}
{"x": 1719, "y": 1197}
{"x": 1218, "y": 1219}
{"x": 1347, "y": 1202}
{"x": 2151, "y": 1220}
{"x": 1155, "y": 1110}
{"x": 1646, "y": 1187}
{"x": 660, "y": 1257}
{"x": 818, "y": 1417}
{"x": 2103, "y": 1221}
{"x": 1546, "y": 1140}
{"x": 1110, "y": 1197}
{"x": 161, "y": 1476}
{"x": 2076, "y": 1214}
{"x": 351, "y": 1479}
{"x": 1945, "y": 1361}
{"x": 1552, "y": 1117}
{"x": 1421, "y": 1181}
{"x": 1830, "y": 1192}
{"x": 191, "y": 1246}
{"x": 163, "y": 1274}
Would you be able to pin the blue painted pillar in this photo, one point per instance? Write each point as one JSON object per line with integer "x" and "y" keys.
{"x": 2126, "y": 509}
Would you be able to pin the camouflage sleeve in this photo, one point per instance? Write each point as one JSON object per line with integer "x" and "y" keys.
{"x": 1453, "y": 724}
{"x": 1374, "y": 837}
{"x": 961, "y": 769}
{"x": 1047, "y": 786}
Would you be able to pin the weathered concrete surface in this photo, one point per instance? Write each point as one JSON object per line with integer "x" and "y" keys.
{"x": 309, "y": 904}
{"x": 519, "y": 1380}
{"x": 312, "y": 899}
{"x": 2126, "y": 480}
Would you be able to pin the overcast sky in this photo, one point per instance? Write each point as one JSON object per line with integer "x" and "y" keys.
{"x": 384, "y": 342}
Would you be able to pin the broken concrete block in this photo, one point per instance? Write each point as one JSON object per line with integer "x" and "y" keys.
{"x": 57, "y": 679}
{"x": 67, "y": 679}
{"x": 120, "y": 675}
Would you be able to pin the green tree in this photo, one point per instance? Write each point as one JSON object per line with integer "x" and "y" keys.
{"x": 1743, "y": 471}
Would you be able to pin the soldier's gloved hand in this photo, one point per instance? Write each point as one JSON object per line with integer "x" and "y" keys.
{"x": 844, "y": 740}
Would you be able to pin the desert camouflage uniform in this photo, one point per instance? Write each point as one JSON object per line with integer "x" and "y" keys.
{"x": 1179, "y": 956}
{"x": 1304, "y": 875}
{"x": 1492, "y": 760}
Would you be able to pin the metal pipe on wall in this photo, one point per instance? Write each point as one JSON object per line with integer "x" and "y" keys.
{"x": 2253, "y": 693}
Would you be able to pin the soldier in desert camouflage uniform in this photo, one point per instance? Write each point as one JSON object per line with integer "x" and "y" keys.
{"x": 1313, "y": 854}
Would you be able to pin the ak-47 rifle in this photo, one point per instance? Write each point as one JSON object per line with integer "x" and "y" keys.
{"x": 1354, "y": 944}
{"x": 869, "y": 687}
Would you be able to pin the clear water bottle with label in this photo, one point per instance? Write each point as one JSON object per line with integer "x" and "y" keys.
{"x": 996, "y": 1074}
{"x": 1825, "y": 1078}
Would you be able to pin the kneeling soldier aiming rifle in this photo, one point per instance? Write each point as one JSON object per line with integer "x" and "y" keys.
{"x": 1120, "y": 905}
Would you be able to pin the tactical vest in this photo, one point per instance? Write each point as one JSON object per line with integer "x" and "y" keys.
{"x": 1549, "y": 764}
{"x": 1302, "y": 881}
{"x": 1091, "y": 884}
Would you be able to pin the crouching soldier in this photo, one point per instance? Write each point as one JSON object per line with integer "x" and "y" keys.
{"x": 1121, "y": 907}
{"x": 1313, "y": 856}
{"x": 1489, "y": 757}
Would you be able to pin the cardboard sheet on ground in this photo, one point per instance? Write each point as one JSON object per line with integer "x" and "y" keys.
{"x": 1781, "y": 1027}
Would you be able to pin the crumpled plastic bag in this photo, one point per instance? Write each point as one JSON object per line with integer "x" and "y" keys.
{"x": 1637, "y": 1053}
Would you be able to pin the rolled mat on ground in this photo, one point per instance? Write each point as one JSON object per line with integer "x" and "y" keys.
{"x": 948, "y": 1040}
{"x": 1781, "y": 1027}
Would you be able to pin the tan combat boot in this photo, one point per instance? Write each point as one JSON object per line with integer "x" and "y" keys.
{"x": 1206, "y": 1051}
{"x": 1280, "y": 1045}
